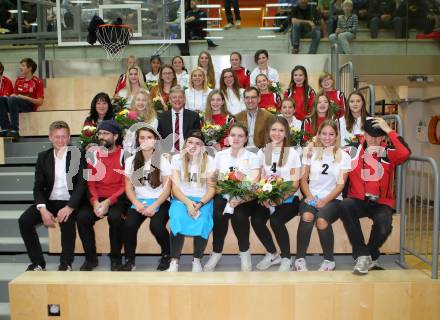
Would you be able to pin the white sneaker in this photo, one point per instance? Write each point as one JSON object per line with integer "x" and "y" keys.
{"x": 300, "y": 265}
{"x": 212, "y": 262}
{"x": 327, "y": 265}
{"x": 237, "y": 23}
{"x": 374, "y": 265}
{"x": 197, "y": 266}
{"x": 174, "y": 266}
{"x": 269, "y": 260}
{"x": 228, "y": 26}
{"x": 362, "y": 265}
{"x": 246, "y": 262}
{"x": 286, "y": 265}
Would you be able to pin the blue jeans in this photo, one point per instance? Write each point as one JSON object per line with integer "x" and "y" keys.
{"x": 13, "y": 106}
{"x": 228, "y": 10}
{"x": 303, "y": 30}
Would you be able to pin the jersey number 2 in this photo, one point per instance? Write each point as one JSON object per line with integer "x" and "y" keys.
{"x": 325, "y": 168}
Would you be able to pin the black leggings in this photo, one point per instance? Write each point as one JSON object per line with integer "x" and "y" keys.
{"x": 158, "y": 224}
{"x": 178, "y": 240}
{"x": 330, "y": 213}
{"x": 240, "y": 224}
{"x": 283, "y": 213}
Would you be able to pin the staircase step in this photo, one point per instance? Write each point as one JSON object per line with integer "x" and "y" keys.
{"x": 17, "y": 183}
{"x": 15, "y": 244}
{"x": 5, "y": 311}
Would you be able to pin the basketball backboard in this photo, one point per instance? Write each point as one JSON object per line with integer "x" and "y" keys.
{"x": 152, "y": 21}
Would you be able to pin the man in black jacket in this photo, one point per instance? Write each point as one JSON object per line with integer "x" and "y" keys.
{"x": 187, "y": 120}
{"x": 58, "y": 190}
{"x": 382, "y": 13}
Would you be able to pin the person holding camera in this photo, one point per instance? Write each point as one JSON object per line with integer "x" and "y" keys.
{"x": 370, "y": 192}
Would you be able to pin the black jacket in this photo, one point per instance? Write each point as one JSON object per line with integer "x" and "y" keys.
{"x": 191, "y": 121}
{"x": 45, "y": 177}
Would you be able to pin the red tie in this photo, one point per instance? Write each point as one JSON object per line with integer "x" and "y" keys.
{"x": 177, "y": 132}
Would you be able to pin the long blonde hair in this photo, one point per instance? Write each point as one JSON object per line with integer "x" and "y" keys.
{"x": 318, "y": 149}
{"x": 149, "y": 113}
{"x": 140, "y": 79}
{"x": 202, "y": 167}
{"x": 205, "y": 82}
{"x": 210, "y": 73}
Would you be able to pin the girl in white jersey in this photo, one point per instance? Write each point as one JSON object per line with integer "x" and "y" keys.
{"x": 279, "y": 160}
{"x": 352, "y": 123}
{"x": 245, "y": 164}
{"x": 325, "y": 170}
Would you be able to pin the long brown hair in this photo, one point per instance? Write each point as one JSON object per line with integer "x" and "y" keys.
{"x": 285, "y": 147}
{"x": 161, "y": 82}
{"x": 210, "y": 73}
{"x": 349, "y": 119}
{"x": 306, "y": 86}
{"x": 153, "y": 177}
{"x": 208, "y": 109}
{"x": 235, "y": 86}
{"x": 313, "y": 116}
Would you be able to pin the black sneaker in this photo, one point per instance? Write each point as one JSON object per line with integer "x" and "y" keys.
{"x": 3, "y": 133}
{"x": 116, "y": 265}
{"x": 36, "y": 267}
{"x": 14, "y": 135}
{"x": 164, "y": 263}
{"x": 88, "y": 265}
{"x": 64, "y": 267}
{"x": 128, "y": 266}
{"x": 295, "y": 50}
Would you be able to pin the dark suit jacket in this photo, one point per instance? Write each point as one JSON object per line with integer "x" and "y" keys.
{"x": 263, "y": 119}
{"x": 45, "y": 178}
{"x": 191, "y": 121}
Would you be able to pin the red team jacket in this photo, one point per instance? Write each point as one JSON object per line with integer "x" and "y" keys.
{"x": 244, "y": 77}
{"x": 338, "y": 98}
{"x": 382, "y": 167}
{"x": 6, "y": 88}
{"x": 32, "y": 88}
{"x": 301, "y": 111}
{"x": 270, "y": 99}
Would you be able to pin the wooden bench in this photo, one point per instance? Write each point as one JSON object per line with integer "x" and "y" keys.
{"x": 148, "y": 245}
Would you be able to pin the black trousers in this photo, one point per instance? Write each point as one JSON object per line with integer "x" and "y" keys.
{"x": 32, "y": 217}
{"x": 382, "y": 216}
{"x": 86, "y": 220}
{"x": 283, "y": 213}
{"x": 178, "y": 240}
{"x": 13, "y": 106}
{"x": 240, "y": 224}
{"x": 158, "y": 227}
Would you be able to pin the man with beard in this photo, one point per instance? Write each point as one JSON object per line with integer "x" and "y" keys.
{"x": 106, "y": 196}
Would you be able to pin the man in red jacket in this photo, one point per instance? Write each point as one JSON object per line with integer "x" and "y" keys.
{"x": 370, "y": 191}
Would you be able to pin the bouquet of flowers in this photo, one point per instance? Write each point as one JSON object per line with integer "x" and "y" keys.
{"x": 272, "y": 109}
{"x": 334, "y": 108}
{"x": 127, "y": 118}
{"x": 272, "y": 189}
{"x": 201, "y": 116}
{"x": 150, "y": 84}
{"x": 88, "y": 136}
{"x": 297, "y": 137}
{"x": 213, "y": 133}
{"x": 158, "y": 105}
{"x": 234, "y": 185}
{"x": 118, "y": 105}
{"x": 275, "y": 87}
{"x": 352, "y": 139}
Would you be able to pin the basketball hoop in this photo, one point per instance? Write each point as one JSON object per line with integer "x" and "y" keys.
{"x": 113, "y": 39}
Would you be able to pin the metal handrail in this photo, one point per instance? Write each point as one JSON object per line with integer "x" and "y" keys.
{"x": 346, "y": 77}
{"x": 404, "y": 248}
{"x": 372, "y": 98}
{"x": 334, "y": 60}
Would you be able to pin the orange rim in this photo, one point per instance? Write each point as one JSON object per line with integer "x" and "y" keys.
{"x": 116, "y": 25}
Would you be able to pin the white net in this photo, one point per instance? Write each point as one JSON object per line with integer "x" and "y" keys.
{"x": 114, "y": 39}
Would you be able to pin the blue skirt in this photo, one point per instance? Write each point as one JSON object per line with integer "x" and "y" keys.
{"x": 181, "y": 222}
{"x": 148, "y": 202}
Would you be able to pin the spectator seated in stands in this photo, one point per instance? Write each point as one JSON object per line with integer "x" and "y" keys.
{"x": 100, "y": 110}
{"x": 305, "y": 23}
{"x": 346, "y": 30}
{"x": 415, "y": 14}
{"x": 360, "y": 7}
{"x": 6, "y": 88}
{"x": 382, "y": 14}
{"x": 27, "y": 97}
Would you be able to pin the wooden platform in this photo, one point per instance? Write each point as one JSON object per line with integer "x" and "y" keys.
{"x": 148, "y": 245}
{"x": 339, "y": 295}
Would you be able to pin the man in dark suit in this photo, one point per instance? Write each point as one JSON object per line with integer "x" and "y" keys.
{"x": 188, "y": 120}
{"x": 254, "y": 118}
{"x": 58, "y": 191}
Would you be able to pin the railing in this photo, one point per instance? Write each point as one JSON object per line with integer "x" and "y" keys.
{"x": 334, "y": 61}
{"x": 369, "y": 94}
{"x": 346, "y": 78}
{"x": 420, "y": 211}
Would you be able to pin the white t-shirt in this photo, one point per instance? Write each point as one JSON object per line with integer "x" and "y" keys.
{"x": 324, "y": 174}
{"x": 295, "y": 123}
{"x": 244, "y": 163}
{"x": 271, "y": 73}
{"x": 146, "y": 191}
{"x": 183, "y": 79}
{"x": 196, "y": 99}
{"x": 293, "y": 162}
{"x": 192, "y": 188}
{"x": 356, "y": 130}
{"x": 151, "y": 77}
{"x": 233, "y": 103}
{"x": 129, "y": 142}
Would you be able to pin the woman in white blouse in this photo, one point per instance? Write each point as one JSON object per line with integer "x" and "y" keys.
{"x": 181, "y": 73}
{"x": 261, "y": 58}
{"x": 148, "y": 187}
{"x": 352, "y": 124}
{"x": 230, "y": 87}
{"x": 192, "y": 206}
{"x": 197, "y": 92}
